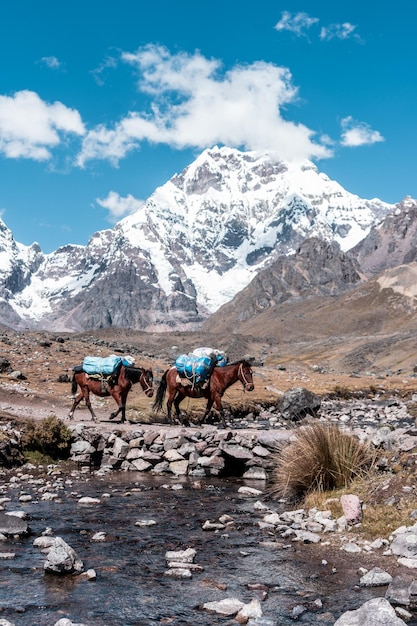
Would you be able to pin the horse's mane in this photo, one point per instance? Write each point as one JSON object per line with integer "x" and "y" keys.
{"x": 133, "y": 367}
{"x": 237, "y": 362}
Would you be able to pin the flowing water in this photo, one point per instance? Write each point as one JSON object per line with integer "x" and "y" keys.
{"x": 132, "y": 588}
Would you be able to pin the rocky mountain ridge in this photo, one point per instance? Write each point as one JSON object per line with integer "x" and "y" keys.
{"x": 197, "y": 242}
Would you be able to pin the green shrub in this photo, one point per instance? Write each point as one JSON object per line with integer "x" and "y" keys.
{"x": 49, "y": 437}
{"x": 319, "y": 457}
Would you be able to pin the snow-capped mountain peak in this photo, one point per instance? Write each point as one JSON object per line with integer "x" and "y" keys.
{"x": 198, "y": 240}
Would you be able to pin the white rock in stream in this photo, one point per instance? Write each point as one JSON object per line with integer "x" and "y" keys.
{"x": 251, "y": 610}
{"x": 181, "y": 556}
{"x": 88, "y": 500}
{"x": 227, "y": 607}
{"x": 249, "y": 491}
{"x": 62, "y": 559}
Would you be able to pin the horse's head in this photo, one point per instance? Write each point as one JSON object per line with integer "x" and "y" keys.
{"x": 246, "y": 376}
{"x": 146, "y": 381}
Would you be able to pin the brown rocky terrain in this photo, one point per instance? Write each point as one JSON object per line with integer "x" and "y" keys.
{"x": 322, "y": 365}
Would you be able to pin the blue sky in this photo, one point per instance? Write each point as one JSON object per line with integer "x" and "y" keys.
{"x": 102, "y": 101}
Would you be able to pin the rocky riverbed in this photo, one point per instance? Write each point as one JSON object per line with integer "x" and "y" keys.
{"x": 176, "y": 525}
{"x": 212, "y": 486}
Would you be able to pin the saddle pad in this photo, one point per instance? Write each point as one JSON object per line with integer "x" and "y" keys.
{"x": 186, "y": 382}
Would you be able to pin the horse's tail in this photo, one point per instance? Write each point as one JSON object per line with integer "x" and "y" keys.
{"x": 73, "y": 386}
{"x": 160, "y": 394}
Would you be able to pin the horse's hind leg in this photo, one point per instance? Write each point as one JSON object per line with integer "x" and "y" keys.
{"x": 76, "y": 402}
{"x": 172, "y": 398}
{"x": 218, "y": 401}
{"x": 83, "y": 394}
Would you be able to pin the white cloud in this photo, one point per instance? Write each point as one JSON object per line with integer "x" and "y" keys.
{"x": 98, "y": 73}
{"x": 358, "y": 133}
{"x": 51, "y": 62}
{"x": 195, "y": 104}
{"x": 300, "y": 23}
{"x": 338, "y": 31}
{"x": 296, "y": 23}
{"x": 29, "y": 127}
{"x": 118, "y": 206}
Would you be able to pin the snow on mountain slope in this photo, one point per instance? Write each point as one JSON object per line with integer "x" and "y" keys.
{"x": 197, "y": 241}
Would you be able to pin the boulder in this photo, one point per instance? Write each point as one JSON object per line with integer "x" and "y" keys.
{"x": 62, "y": 559}
{"x": 376, "y": 611}
{"x": 298, "y": 402}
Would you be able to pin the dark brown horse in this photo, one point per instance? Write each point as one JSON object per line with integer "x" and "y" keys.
{"x": 117, "y": 386}
{"x": 220, "y": 380}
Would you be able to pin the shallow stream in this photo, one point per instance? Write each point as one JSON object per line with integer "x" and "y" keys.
{"x": 132, "y": 588}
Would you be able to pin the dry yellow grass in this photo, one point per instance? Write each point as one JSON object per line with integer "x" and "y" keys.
{"x": 319, "y": 457}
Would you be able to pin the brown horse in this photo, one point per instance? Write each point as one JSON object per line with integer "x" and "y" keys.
{"x": 220, "y": 380}
{"x": 117, "y": 386}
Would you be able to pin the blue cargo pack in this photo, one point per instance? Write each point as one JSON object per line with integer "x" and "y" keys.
{"x": 101, "y": 365}
{"x": 196, "y": 368}
{"x": 198, "y": 365}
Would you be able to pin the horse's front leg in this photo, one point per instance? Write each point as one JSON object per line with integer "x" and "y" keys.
{"x": 122, "y": 408}
{"x": 217, "y": 399}
{"x": 120, "y": 405}
{"x": 208, "y": 409}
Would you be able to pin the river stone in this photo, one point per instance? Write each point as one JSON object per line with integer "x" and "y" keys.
{"x": 181, "y": 556}
{"x": 120, "y": 448}
{"x": 375, "y": 612}
{"x": 236, "y": 451}
{"x": 405, "y": 543}
{"x": 249, "y": 491}
{"x": 12, "y": 525}
{"x": 178, "y": 572}
{"x": 179, "y": 468}
{"x": 250, "y": 610}
{"x": 375, "y": 577}
{"x": 89, "y": 500}
{"x": 134, "y": 453}
{"x": 161, "y": 468}
{"x": 401, "y": 590}
{"x": 62, "y": 559}
{"x": 141, "y": 465}
{"x": 44, "y": 543}
{"x": 306, "y": 536}
{"x": 255, "y": 473}
{"x": 211, "y": 462}
{"x": 227, "y": 607}
{"x": 81, "y": 447}
{"x": 172, "y": 455}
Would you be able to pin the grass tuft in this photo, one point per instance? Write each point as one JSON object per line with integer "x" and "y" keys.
{"x": 319, "y": 457}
